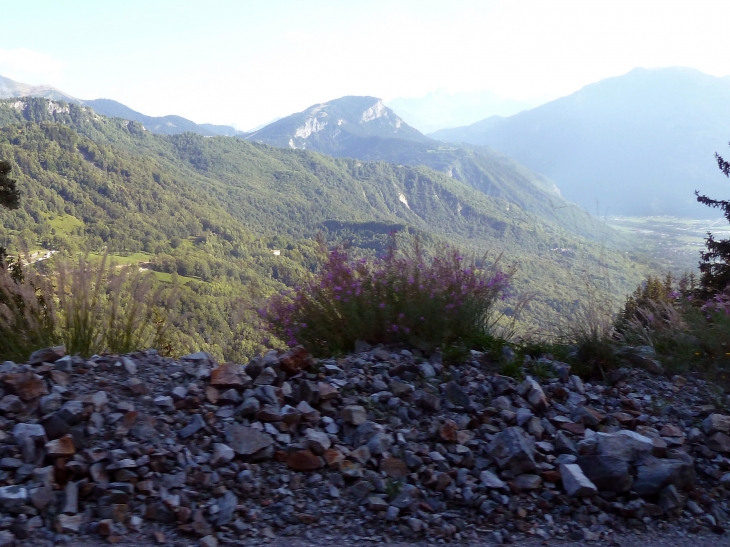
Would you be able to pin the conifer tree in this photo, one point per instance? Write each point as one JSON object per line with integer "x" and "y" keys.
{"x": 715, "y": 261}
{"x": 9, "y": 196}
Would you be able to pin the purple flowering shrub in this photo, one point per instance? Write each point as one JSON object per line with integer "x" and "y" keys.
{"x": 401, "y": 297}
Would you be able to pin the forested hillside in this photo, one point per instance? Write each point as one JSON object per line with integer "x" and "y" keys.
{"x": 211, "y": 211}
{"x": 364, "y": 128}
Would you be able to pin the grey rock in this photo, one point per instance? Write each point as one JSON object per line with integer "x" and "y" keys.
{"x": 564, "y": 444}
{"x": 513, "y": 450}
{"x": 716, "y": 423}
{"x": 354, "y": 414}
{"x": 625, "y": 445}
{"x": 227, "y": 507}
{"x": 718, "y": 442}
{"x": 490, "y": 480}
{"x": 607, "y": 472}
{"x": 222, "y": 454}
{"x": 576, "y": 484}
{"x": 456, "y": 395}
{"x": 656, "y": 474}
{"x": 247, "y": 441}
{"x": 195, "y": 425}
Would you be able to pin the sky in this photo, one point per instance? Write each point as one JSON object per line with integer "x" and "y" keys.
{"x": 247, "y": 62}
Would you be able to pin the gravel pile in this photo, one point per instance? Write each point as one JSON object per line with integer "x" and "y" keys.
{"x": 380, "y": 445}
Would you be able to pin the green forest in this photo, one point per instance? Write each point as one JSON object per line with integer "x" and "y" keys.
{"x": 228, "y": 222}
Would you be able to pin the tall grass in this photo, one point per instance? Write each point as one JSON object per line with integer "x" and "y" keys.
{"x": 90, "y": 307}
{"x": 27, "y": 314}
{"x": 401, "y": 297}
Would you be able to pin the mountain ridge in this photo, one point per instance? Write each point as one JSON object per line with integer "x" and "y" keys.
{"x": 165, "y": 125}
{"x": 649, "y": 134}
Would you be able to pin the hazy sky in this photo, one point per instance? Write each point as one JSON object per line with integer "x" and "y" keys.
{"x": 246, "y": 62}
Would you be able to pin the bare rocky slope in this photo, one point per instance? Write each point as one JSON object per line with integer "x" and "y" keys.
{"x": 385, "y": 444}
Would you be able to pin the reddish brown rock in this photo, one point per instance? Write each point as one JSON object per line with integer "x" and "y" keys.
{"x": 47, "y": 355}
{"x": 25, "y": 385}
{"x": 394, "y": 468}
{"x": 333, "y": 457}
{"x": 296, "y": 360}
{"x": 575, "y": 429}
{"x": 447, "y": 432}
{"x": 62, "y": 447}
{"x": 304, "y": 460}
{"x": 227, "y": 375}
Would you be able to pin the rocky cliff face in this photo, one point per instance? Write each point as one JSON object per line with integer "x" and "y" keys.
{"x": 328, "y": 126}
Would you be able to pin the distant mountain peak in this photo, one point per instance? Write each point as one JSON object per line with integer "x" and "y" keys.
{"x": 10, "y": 89}
{"x": 322, "y": 126}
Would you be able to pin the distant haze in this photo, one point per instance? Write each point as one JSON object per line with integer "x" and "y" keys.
{"x": 637, "y": 144}
{"x": 441, "y": 109}
{"x": 246, "y": 63}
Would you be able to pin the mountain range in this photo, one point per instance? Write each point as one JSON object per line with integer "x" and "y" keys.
{"x": 165, "y": 125}
{"x": 366, "y": 129}
{"x": 638, "y": 144}
{"x": 213, "y": 207}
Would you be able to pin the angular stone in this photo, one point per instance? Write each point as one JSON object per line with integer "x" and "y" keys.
{"x": 11, "y": 404}
{"x": 267, "y": 377}
{"x": 246, "y": 440}
{"x": 527, "y": 482}
{"x": 47, "y": 355}
{"x": 137, "y": 386}
{"x": 228, "y": 375}
{"x": 304, "y": 460}
{"x": 719, "y": 442}
{"x": 716, "y": 423}
{"x": 376, "y": 504}
{"x": 227, "y": 506}
{"x": 222, "y": 454}
{"x": 62, "y": 447}
{"x": 456, "y": 395}
{"x": 576, "y": 484}
{"x": 513, "y": 450}
{"x": 308, "y": 413}
{"x": 354, "y": 414}
{"x": 656, "y": 474}
{"x": 34, "y": 432}
{"x": 607, "y": 473}
{"x": 379, "y": 443}
{"x": 327, "y": 391}
{"x": 295, "y": 361}
{"x": 70, "y": 523}
{"x": 26, "y": 385}
{"x": 490, "y": 480}
{"x": 394, "y": 468}
{"x": 269, "y": 414}
{"x": 71, "y": 498}
{"x": 564, "y": 444}
{"x": 195, "y": 425}
{"x": 624, "y": 445}
{"x": 12, "y": 497}
{"x": 42, "y": 496}
{"x": 317, "y": 441}
{"x": 400, "y": 389}
{"x": 533, "y": 392}
{"x": 448, "y": 431}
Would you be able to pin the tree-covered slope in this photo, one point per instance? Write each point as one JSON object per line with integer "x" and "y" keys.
{"x": 215, "y": 208}
{"x": 363, "y": 128}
